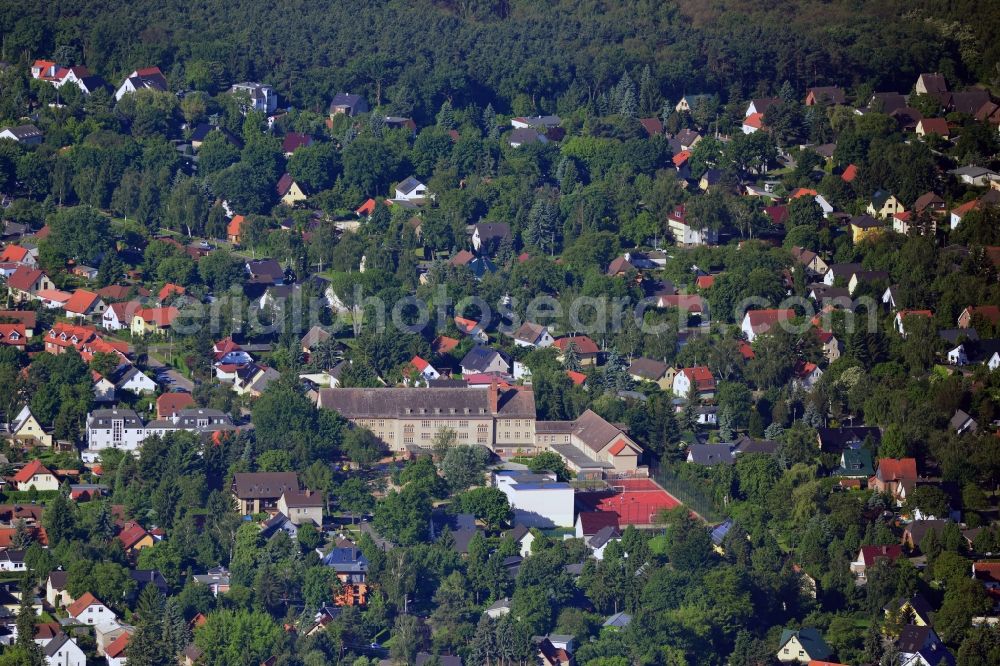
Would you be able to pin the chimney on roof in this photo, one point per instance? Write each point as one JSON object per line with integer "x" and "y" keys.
{"x": 494, "y": 396}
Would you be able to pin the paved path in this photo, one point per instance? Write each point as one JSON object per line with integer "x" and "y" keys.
{"x": 176, "y": 379}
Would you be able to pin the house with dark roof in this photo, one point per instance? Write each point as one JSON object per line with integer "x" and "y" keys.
{"x": 651, "y": 370}
{"x": 255, "y": 492}
{"x": 27, "y": 135}
{"x": 710, "y": 455}
{"x": 802, "y": 646}
{"x": 855, "y": 464}
{"x": 484, "y": 360}
{"x": 348, "y": 104}
{"x": 836, "y": 440}
{"x": 825, "y": 96}
{"x": 150, "y": 78}
{"x": 487, "y": 236}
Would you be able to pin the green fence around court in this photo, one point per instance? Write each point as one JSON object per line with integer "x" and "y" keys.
{"x": 690, "y": 493}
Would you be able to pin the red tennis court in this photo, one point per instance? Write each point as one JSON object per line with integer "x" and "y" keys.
{"x": 636, "y": 501}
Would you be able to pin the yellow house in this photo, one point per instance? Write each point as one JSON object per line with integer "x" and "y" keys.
{"x": 27, "y": 430}
{"x": 914, "y": 610}
{"x": 865, "y": 227}
{"x": 289, "y": 191}
{"x": 153, "y": 320}
{"x": 884, "y": 205}
{"x": 134, "y": 538}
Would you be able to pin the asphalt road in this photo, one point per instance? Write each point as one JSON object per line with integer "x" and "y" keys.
{"x": 176, "y": 379}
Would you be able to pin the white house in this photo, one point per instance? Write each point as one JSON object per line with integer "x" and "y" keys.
{"x": 88, "y": 609}
{"x": 131, "y": 379}
{"x": 63, "y": 651}
{"x": 12, "y": 560}
{"x": 118, "y": 316}
{"x": 600, "y": 541}
{"x": 699, "y": 377}
{"x": 35, "y": 475}
{"x": 686, "y": 234}
{"x": 482, "y": 360}
{"x": 533, "y": 335}
{"x": 104, "y": 389}
{"x": 806, "y": 375}
{"x": 758, "y": 322}
{"x": 957, "y": 356}
{"x": 55, "y": 590}
{"x": 538, "y": 500}
{"x": 150, "y": 78}
{"x": 262, "y": 97}
{"x": 426, "y": 370}
{"x": 411, "y": 189}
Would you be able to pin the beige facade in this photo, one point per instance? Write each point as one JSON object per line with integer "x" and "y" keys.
{"x": 302, "y": 507}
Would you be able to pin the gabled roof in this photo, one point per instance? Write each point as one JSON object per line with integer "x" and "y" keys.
{"x": 14, "y": 253}
{"x": 648, "y": 368}
{"x": 891, "y": 469}
{"x": 870, "y": 554}
{"x": 584, "y": 345}
{"x": 131, "y": 534}
{"x": 849, "y": 174}
{"x": 762, "y": 321}
{"x": 116, "y": 648}
{"x": 234, "y": 226}
{"x": 81, "y": 302}
{"x": 810, "y": 640}
{"x": 933, "y": 83}
{"x": 30, "y": 470}
{"x": 257, "y": 485}
{"x": 593, "y": 521}
{"x": 24, "y": 278}
{"x": 295, "y": 140}
{"x": 82, "y": 604}
{"x": 937, "y": 126}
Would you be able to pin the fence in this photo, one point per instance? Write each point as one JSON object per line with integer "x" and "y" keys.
{"x": 691, "y": 493}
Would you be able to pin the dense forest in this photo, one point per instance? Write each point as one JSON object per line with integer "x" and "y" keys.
{"x": 520, "y": 56}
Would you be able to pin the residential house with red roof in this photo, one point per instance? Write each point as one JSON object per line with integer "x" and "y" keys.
{"x": 168, "y": 290}
{"x": 134, "y": 537}
{"x": 35, "y": 475}
{"x": 169, "y": 404}
{"x": 758, "y": 322}
{"x": 959, "y": 213}
{"x": 753, "y": 123}
{"x": 903, "y": 315}
{"x": 990, "y": 313}
{"x": 13, "y": 335}
{"x": 699, "y": 378}
{"x": 928, "y": 126}
{"x": 472, "y": 329}
{"x": 586, "y": 349}
{"x": 293, "y": 141}
{"x": 115, "y": 652}
{"x": 148, "y": 78}
{"x": 805, "y": 375}
{"x": 895, "y": 477}
{"x": 869, "y": 555}
{"x": 15, "y": 254}
{"x": 25, "y": 282}
{"x": 84, "y": 304}
{"x": 422, "y": 369}
{"x": 88, "y": 609}
{"x": 153, "y": 320}
{"x": 27, "y": 318}
{"x": 234, "y": 230}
